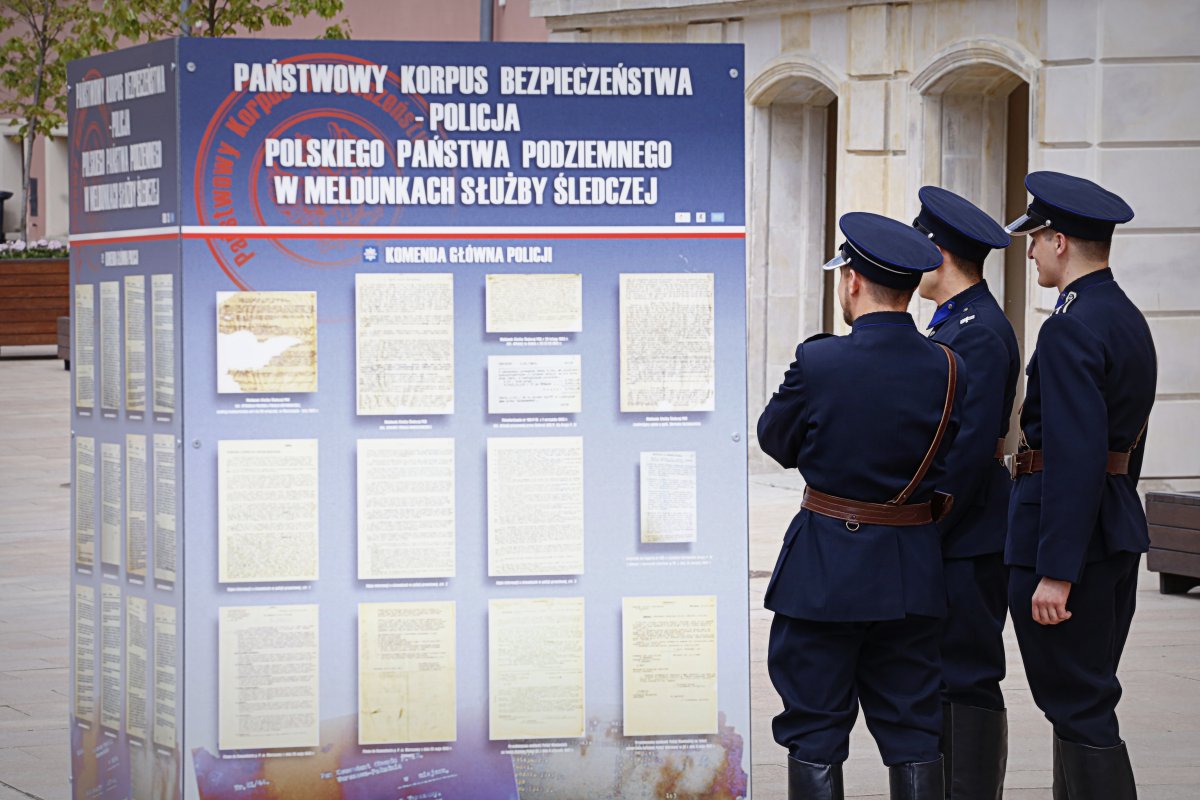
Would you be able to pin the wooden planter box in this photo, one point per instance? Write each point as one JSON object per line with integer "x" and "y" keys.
{"x": 34, "y": 293}
{"x": 1174, "y": 520}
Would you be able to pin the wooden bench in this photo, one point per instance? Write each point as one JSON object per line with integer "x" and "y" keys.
{"x": 34, "y": 293}
{"x": 1174, "y": 520}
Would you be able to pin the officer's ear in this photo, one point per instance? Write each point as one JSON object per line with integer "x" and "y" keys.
{"x": 1060, "y": 244}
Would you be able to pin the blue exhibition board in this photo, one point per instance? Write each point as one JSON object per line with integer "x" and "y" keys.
{"x": 279, "y": 184}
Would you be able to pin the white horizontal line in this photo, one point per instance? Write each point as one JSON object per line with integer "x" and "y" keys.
{"x": 88, "y": 237}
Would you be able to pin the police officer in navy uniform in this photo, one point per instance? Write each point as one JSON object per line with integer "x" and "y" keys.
{"x": 1076, "y": 527}
{"x": 974, "y": 741}
{"x": 857, "y": 591}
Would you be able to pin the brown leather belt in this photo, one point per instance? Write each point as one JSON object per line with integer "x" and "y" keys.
{"x": 859, "y": 512}
{"x": 999, "y": 454}
{"x": 1028, "y": 462}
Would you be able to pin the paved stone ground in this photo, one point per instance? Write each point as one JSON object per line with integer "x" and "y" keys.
{"x": 1161, "y": 670}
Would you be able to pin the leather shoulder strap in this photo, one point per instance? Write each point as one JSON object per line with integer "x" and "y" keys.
{"x": 947, "y": 407}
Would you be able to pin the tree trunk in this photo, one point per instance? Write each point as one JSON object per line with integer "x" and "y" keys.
{"x": 30, "y": 138}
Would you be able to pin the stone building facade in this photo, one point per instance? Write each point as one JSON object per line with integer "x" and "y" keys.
{"x": 855, "y": 104}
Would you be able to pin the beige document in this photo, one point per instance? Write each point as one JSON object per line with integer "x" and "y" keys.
{"x": 667, "y": 342}
{"x": 110, "y": 503}
{"x": 165, "y": 536}
{"x": 668, "y": 497}
{"x": 535, "y": 668}
{"x": 534, "y": 303}
{"x": 266, "y": 342}
{"x": 83, "y": 349}
{"x": 404, "y": 343}
{"x": 162, "y": 323}
{"x": 166, "y": 676}
{"x": 269, "y": 693}
{"x": 535, "y": 505}
{"x": 85, "y": 501}
{"x": 669, "y": 659}
{"x": 110, "y": 656}
{"x": 267, "y": 510}
{"x": 135, "y": 342}
{"x": 405, "y": 508}
{"x": 110, "y": 345}
{"x": 84, "y": 690}
{"x": 136, "y": 483}
{"x": 535, "y": 384}
{"x": 406, "y": 673}
{"x": 136, "y": 652}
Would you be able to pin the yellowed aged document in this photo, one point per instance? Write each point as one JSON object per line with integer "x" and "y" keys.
{"x": 669, "y": 658}
{"x": 136, "y": 652}
{"x": 110, "y": 345}
{"x": 85, "y": 501}
{"x": 136, "y": 483}
{"x": 84, "y": 688}
{"x": 110, "y": 503}
{"x": 404, "y": 343}
{"x": 406, "y": 508}
{"x": 267, "y": 510}
{"x": 162, "y": 323}
{"x": 83, "y": 348}
{"x": 536, "y": 668}
{"x": 534, "y": 303}
{"x": 535, "y": 505}
{"x": 667, "y": 342}
{"x": 110, "y": 656}
{"x": 266, "y": 342}
{"x": 165, "y": 484}
{"x": 269, "y": 693}
{"x": 406, "y": 673}
{"x": 166, "y": 676}
{"x": 135, "y": 342}
{"x": 535, "y": 384}
{"x": 668, "y": 496}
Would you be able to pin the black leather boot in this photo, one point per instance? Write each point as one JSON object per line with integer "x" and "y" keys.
{"x": 1058, "y": 789}
{"x": 974, "y": 751}
{"x": 814, "y": 781}
{"x": 1090, "y": 772}
{"x": 918, "y": 781}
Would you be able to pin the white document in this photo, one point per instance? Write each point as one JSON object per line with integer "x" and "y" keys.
{"x": 269, "y": 693}
{"x": 85, "y": 501}
{"x": 535, "y": 505}
{"x": 404, "y": 343}
{"x": 667, "y": 342}
{"x": 165, "y": 536}
{"x": 136, "y": 652}
{"x": 669, "y": 658}
{"x": 110, "y": 503}
{"x": 83, "y": 349}
{"x": 535, "y": 384}
{"x": 84, "y": 689}
{"x": 406, "y": 673}
{"x": 136, "y": 483}
{"x": 267, "y": 510}
{"x": 266, "y": 342}
{"x": 406, "y": 508}
{"x": 162, "y": 323}
{"x": 110, "y": 344}
{"x": 535, "y": 668}
{"x": 534, "y": 303}
{"x": 668, "y": 497}
{"x": 111, "y": 647}
{"x": 135, "y": 342}
{"x": 166, "y": 676}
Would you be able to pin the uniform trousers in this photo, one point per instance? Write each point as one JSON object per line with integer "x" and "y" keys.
{"x": 824, "y": 670}
{"x": 1072, "y": 666}
{"x": 973, "y": 631}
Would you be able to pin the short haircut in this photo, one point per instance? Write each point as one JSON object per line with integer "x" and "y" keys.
{"x": 1089, "y": 249}
{"x": 885, "y": 295}
{"x": 972, "y": 269}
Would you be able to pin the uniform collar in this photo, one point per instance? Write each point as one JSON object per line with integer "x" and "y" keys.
{"x": 957, "y": 303}
{"x": 1083, "y": 282}
{"x": 884, "y": 318}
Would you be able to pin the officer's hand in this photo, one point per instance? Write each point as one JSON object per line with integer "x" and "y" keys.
{"x": 1050, "y": 601}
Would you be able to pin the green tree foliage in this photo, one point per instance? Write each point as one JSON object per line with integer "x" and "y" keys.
{"x": 147, "y": 20}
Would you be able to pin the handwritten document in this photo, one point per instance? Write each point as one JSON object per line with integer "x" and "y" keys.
{"x": 136, "y": 477}
{"x": 534, "y": 303}
{"x": 162, "y": 323}
{"x": 83, "y": 349}
{"x": 135, "y": 342}
{"x": 110, "y": 656}
{"x": 535, "y": 505}
{"x": 669, "y": 658}
{"x": 535, "y": 668}
{"x": 84, "y": 689}
{"x": 136, "y": 653}
{"x": 166, "y": 676}
{"x": 534, "y": 384}
{"x": 404, "y": 343}
{"x": 405, "y": 508}
{"x": 110, "y": 345}
{"x": 266, "y": 342}
{"x": 110, "y": 503}
{"x": 269, "y": 693}
{"x": 406, "y": 673}
{"x": 667, "y": 342}
{"x": 85, "y": 501}
{"x": 165, "y": 483}
{"x": 668, "y": 497}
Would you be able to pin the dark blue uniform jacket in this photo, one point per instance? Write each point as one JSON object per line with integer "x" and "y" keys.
{"x": 856, "y": 415}
{"x": 978, "y": 331}
{"x": 1090, "y": 390}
